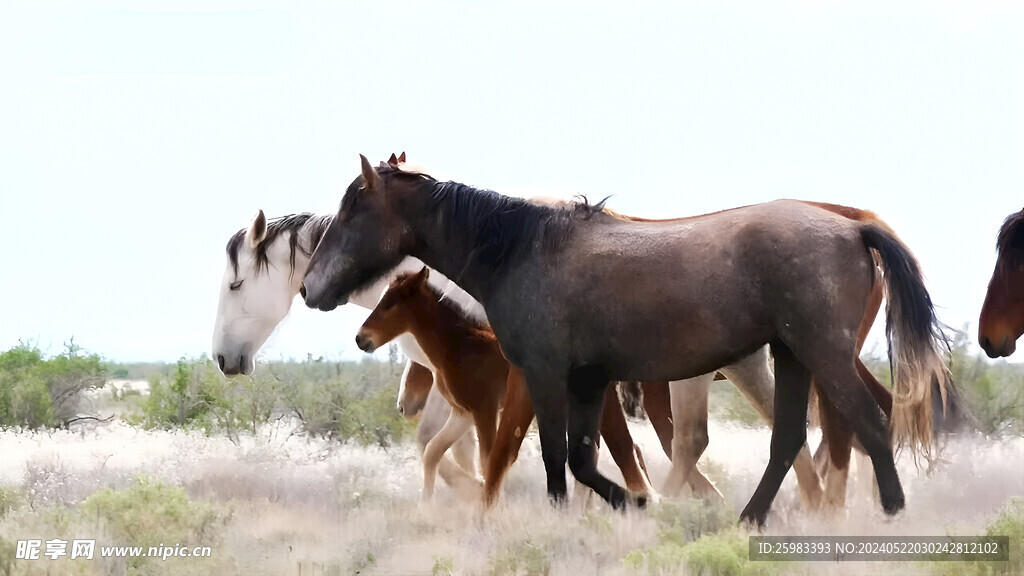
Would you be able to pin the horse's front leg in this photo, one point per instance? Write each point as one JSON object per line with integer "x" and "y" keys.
{"x": 586, "y": 399}
{"x": 548, "y": 393}
{"x": 515, "y": 419}
{"x": 789, "y": 432}
{"x": 458, "y": 424}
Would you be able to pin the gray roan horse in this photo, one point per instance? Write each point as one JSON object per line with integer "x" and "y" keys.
{"x": 612, "y": 299}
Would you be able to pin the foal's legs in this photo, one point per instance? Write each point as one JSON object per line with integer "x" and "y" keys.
{"x": 792, "y": 383}
{"x": 457, "y": 425}
{"x": 586, "y": 395}
{"x": 515, "y": 419}
{"x": 461, "y": 473}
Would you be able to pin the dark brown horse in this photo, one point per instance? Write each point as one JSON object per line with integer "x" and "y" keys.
{"x": 1002, "y": 316}
{"x": 471, "y": 373}
{"x": 578, "y": 298}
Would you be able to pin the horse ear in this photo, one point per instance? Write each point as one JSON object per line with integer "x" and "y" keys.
{"x": 401, "y": 157}
{"x": 393, "y": 160}
{"x": 371, "y": 179}
{"x": 423, "y": 274}
{"x": 258, "y": 230}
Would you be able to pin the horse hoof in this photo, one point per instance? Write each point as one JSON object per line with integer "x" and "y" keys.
{"x": 892, "y": 505}
{"x": 752, "y": 522}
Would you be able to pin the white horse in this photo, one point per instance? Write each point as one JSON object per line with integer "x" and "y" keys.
{"x": 265, "y": 266}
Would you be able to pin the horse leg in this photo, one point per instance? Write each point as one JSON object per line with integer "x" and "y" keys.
{"x": 460, "y": 473}
{"x": 486, "y": 423}
{"x": 457, "y": 425}
{"x": 848, "y": 394}
{"x": 548, "y": 394}
{"x": 464, "y": 451}
{"x": 620, "y": 444}
{"x": 792, "y": 384}
{"x": 838, "y": 437}
{"x": 586, "y": 394}
{"x": 515, "y": 419}
{"x": 658, "y": 405}
{"x": 754, "y": 379}
{"x": 689, "y": 436}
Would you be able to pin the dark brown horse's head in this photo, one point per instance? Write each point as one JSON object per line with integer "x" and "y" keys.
{"x": 1002, "y": 316}
{"x": 392, "y": 316}
{"x": 365, "y": 240}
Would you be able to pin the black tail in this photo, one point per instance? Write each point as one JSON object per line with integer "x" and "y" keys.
{"x": 916, "y": 341}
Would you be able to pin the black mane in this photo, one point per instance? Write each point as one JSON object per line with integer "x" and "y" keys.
{"x": 290, "y": 225}
{"x": 499, "y": 228}
{"x": 1010, "y": 241}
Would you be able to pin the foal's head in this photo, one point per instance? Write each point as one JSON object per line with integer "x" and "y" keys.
{"x": 1002, "y": 316}
{"x": 393, "y": 314}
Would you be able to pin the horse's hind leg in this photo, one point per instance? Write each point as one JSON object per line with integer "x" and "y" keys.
{"x": 792, "y": 383}
{"x": 586, "y": 397}
{"x": 689, "y": 436}
{"x": 754, "y": 379}
{"x": 843, "y": 386}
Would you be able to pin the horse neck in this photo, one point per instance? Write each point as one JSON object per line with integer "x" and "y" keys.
{"x": 449, "y": 254}
{"x": 436, "y": 329}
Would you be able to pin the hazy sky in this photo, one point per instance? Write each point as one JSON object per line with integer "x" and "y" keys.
{"x": 135, "y": 137}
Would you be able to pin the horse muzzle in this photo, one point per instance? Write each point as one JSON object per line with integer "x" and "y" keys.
{"x": 1006, "y": 348}
{"x": 365, "y": 342}
{"x": 233, "y": 364}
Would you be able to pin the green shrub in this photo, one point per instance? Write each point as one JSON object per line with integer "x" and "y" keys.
{"x": 11, "y": 498}
{"x": 151, "y": 513}
{"x": 532, "y": 558}
{"x": 36, "y": 392}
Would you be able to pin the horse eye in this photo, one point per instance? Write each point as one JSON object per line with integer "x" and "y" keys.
{"x": 236, "y": 285}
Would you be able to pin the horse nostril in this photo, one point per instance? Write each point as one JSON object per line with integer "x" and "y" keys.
{"x": 220, "y": 361}
{"x": 986, "y": 344}
{"x": 241, "y": 364}
{"x": 302, "y": 290}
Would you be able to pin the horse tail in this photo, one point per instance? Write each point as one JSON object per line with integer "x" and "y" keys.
{"x": 631, "y": 396}
{"x": 916, "y": 342}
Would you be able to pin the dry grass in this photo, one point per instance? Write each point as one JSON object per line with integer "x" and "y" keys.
{"x": 291, "y": 506}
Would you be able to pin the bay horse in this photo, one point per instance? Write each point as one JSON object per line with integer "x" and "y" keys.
{"x": 613, "y": 299}
{"x": 1001, "y": 321}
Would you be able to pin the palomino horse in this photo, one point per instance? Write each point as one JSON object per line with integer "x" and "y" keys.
{"x": 469, "y": 370}
{"x": 612, "y": 299}
{"x": 1002, "y": 316}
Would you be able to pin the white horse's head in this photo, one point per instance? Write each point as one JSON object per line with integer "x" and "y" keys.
{"x": 265, "y": 266}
